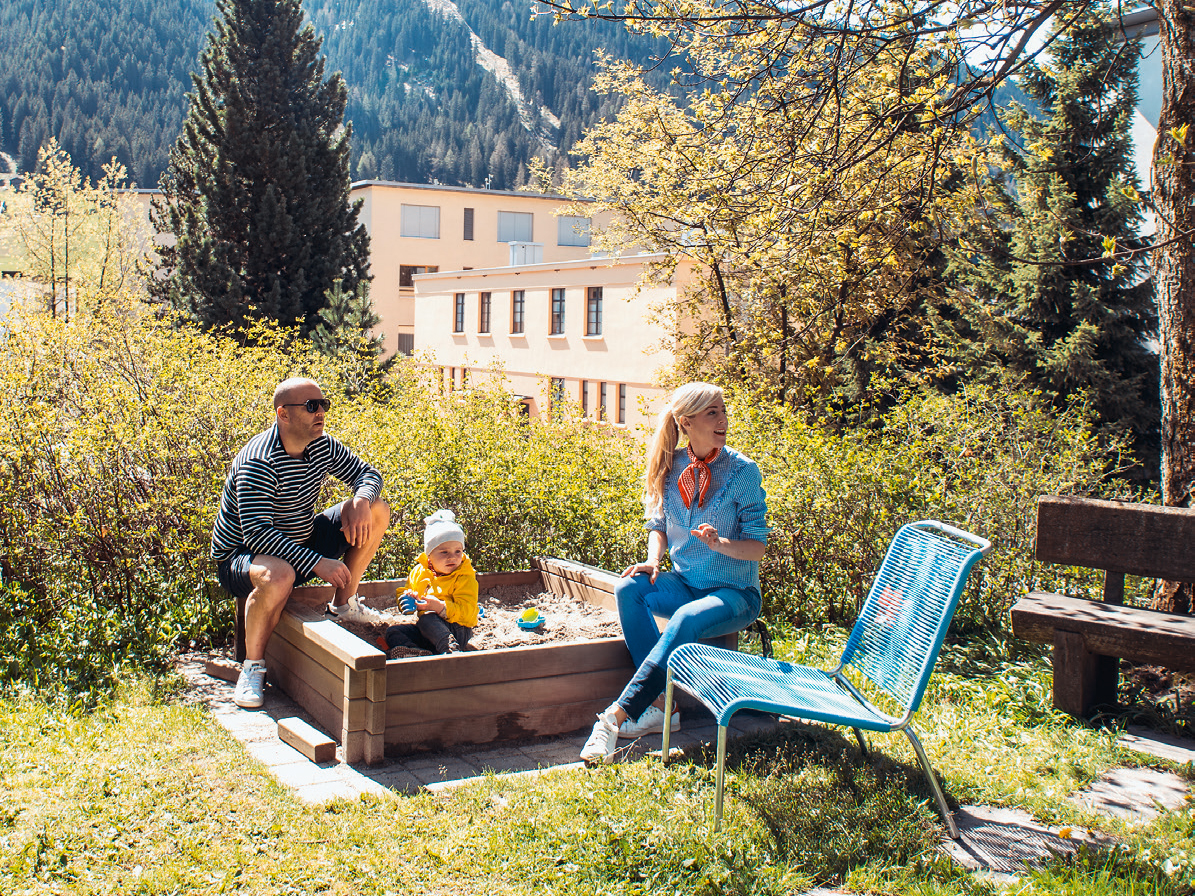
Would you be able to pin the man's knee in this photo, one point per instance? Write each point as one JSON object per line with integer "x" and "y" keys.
{"x": 272, "y": 577}
{"x": 381, "y": 513}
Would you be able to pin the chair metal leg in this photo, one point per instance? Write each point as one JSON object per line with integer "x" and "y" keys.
{"x": 721, "y": 778}
{"x": 862, "y": 742}
{"x": 933, "y": 783}
{"x": 667, "y": 717}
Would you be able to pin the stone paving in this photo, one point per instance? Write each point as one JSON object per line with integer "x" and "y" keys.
{"x": 318, "y": 782}
{"x": 993, "y": 841}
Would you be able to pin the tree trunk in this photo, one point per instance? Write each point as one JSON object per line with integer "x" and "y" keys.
{"x": 1173, "y": 266}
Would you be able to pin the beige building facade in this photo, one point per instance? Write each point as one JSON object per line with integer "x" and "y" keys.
{"x": 426, "y": 228}
{"x": 583, "y": 332}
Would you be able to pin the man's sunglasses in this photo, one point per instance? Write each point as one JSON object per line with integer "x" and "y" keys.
{"x": 312, "y": 404}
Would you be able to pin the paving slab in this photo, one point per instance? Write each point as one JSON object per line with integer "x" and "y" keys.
{"x": 1135, "y": 794}
{"x": 1003, "y": 842}
{"x": 1155, "y": 743}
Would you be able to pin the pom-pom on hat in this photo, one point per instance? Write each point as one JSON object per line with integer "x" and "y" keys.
{"x": 441, "y": 527}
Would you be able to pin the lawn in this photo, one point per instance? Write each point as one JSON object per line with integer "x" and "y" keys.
{"x": 149, "y": 795}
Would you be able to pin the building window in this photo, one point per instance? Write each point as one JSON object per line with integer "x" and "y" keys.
{"x": 515, "y": 227}
{"x": 556, "y": 327}
{"x": 468, "y": 223}
{"x": 517, "y": 311}
{"x": 593, "y": 311}
{"x": 421, "y": 221}
{"x": 602, "y": 414}
{"x": 572, "y": 231}
{"x": 407, "y": 271}
{"x": 458, "y": 317}
{"x": 584, "y": 398}
{"x": 557, "y": 403}
{"x": 406, "y": 343}
{"x": 483, "y": 312}
{"x": 622, "y": 402}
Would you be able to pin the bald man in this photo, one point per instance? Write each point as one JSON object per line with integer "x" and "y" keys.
{"x": 267, "y": 536}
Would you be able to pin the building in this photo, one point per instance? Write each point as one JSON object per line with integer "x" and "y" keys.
{"x": 585, "y": 332}
{"x": 417, "y": 229}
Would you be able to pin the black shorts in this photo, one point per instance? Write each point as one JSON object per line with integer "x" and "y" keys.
{"x": 326, "y": 538}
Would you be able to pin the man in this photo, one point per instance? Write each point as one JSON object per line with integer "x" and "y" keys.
{"x": 267, "y": 537}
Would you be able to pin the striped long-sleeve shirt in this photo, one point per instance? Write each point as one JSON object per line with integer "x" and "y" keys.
{"x": 268, "y": 503}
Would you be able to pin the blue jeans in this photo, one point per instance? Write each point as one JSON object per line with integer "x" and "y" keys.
{"x": 695, "y": 614}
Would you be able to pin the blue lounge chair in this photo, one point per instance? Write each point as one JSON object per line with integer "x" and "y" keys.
{"x": 894, "y": 645}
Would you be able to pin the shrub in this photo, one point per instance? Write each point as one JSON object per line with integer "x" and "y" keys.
{"x": 978, "y": 459}
{"x": 120, "y": 434}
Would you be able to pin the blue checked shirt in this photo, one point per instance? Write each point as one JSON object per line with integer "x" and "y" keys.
{"x": 735, "y": 505}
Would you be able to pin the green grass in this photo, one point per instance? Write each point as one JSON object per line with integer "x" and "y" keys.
{"x": 148, "y": 796}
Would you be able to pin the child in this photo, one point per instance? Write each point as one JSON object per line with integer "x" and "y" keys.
{"x": 444, "y": 588}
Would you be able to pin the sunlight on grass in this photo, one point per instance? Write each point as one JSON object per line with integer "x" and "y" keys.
{"x": 148, "y": 797}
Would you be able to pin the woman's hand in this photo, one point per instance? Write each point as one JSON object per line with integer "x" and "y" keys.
{"x": 649, "y": 568}
{"x": 742, "y": 549}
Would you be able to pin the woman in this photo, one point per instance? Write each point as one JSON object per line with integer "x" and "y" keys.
{"x": 706, "y": 506}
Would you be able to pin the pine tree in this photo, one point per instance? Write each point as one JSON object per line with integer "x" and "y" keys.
{"x": 348, "y": 324}
{"x": 255, "y": 204}
{"x": 1062, "y": 300}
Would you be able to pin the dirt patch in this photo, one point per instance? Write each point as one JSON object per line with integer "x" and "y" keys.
{"x": 565, "y": 619}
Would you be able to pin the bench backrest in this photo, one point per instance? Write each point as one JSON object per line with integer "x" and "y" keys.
{"x": 1135, "y": 539}
{"x": 902, "y": 624}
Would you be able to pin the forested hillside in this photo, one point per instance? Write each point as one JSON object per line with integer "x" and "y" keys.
{"x": 110, "y": 77}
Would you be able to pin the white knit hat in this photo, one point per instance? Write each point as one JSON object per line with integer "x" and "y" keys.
{"x": 441, "y": 527}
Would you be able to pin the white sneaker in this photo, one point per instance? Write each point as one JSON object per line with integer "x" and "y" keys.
{"x": 250, "y": 690}
{"x": 651, "y": 722}
{"x": 355, "y": 610}
{"x": 599, "y": 749}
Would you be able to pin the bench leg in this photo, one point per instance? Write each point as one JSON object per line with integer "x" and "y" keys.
{"x": 1082, "y": 680}
{"x": 239, "y": 648}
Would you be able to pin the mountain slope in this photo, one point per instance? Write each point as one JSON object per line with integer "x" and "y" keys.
{"x": 456, "y": 91}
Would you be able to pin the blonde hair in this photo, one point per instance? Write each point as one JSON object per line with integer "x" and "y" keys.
{"x": 687, "y": 401}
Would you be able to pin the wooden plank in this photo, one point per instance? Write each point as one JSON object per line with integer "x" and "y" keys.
{"x": 505, "y": 697}
{"x": 1082, "y": 680}
{"x": 417, "y": 674}
{"x": 593, "y": 576}
{"x": 1137, "y": 635}
{"x": 533, "y": 721}
{"x": 1137, "y": 539}
{"x": 328, "y": 716}
{"x": 307, "y": 739}
{"x": 321, "y": 595}
{"x": 282, "y": 655}
{"x": 295, "y": 636}
{"x": 344, "y": 645}
{"x": 529, "y": 577}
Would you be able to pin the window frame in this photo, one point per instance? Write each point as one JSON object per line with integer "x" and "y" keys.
{"x": 484, "y": 311}
{"x": 573, "y": 230}
{"x": 518, "y": 312}
{"x": 510, "y": 229}
{"x": 416, "y": 226}
{"x": 458, "y": 312}
{"x": 556, "y": 318}
{"x": 593, "y": 311}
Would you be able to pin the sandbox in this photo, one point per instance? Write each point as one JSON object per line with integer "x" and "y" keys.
{"x": 375, "y": 706}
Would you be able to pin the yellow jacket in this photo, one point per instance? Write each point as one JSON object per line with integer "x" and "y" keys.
{"x": 458, "y": 589}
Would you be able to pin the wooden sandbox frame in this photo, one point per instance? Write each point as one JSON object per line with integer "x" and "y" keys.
{"x": 373, "y": 705}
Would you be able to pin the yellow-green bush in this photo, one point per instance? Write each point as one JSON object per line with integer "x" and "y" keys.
{"x": 121, "y": 430}
{"x": 977, "y": 459}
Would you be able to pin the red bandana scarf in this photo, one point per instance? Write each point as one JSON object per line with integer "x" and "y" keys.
{"x": 696, "y": 477}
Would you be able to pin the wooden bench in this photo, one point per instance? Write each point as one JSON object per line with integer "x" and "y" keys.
{"x": 1091, "y": 637}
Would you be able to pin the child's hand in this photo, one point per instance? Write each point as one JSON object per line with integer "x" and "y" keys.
{"x": 433, "y": 605}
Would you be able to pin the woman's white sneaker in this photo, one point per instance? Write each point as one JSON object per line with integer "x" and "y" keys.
{"x": 651, "y": 722}
{"x": 599, "y": 749}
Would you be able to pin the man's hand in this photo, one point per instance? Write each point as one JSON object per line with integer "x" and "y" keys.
{"x": 356, "y": 521}
{"x": 333, "y": 572}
